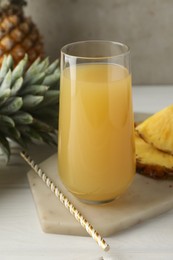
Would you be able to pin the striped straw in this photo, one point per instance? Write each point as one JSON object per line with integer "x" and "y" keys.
{"x": 65, "y": 201}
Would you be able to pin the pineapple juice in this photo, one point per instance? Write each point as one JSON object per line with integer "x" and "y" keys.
{"x": 96, "y": 156}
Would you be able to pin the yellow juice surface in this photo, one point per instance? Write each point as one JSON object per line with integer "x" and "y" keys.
{"x": 96, "y": 157}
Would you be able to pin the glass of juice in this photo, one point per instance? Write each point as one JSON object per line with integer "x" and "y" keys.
{"x": 96, "y": 155}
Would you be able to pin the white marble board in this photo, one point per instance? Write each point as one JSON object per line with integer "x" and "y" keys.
{"x": 146, "y": 198}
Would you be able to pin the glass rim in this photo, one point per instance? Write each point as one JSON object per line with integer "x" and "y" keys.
{"x": 125, "y": 52}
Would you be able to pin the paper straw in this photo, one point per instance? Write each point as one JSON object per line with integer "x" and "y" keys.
{"x": 66, "y": 202}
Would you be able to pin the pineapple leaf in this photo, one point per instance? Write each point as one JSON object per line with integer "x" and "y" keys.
{"x": 49, "y": 139}
{"x": 4, "y": 145}
{"x": 4, "y": 95}
{"x": 51, "y": 79}
{"x": 44, "y": 112}
{"x": 22, "y": 141}
{"x": 43, "y": 65}
{"x": 52, "y": 67}
{"x": 34, "y": 64}
{"x": 4, "y": 69}
{"x": 11, "y": 132}
{"x": 35, "y": 135}
{"x": 23, "y": 118}
{"x": 6, "y": 83}
{"x": 49, "y": 115}
{"x": 33, "y": 67}
{"x": 35, "y": 79}
{"x": 6, "y": 121}
{"x": 31, "y": 134}
{"x": 17, "y": 86}
{"x": 13, "y": 106}
{"x": 32, "y": 70}
{"x": 43, "y": 126}
{"x": 30, "y": 101}
{"x": 9, "y": 62}
{"x": 19, "y": 69}
{"x": 35, "y": 90}
{"x": 14, "y": 133}
{"x": 51, "y": 97}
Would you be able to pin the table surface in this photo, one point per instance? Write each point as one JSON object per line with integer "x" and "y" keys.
{"x": 21, "y": 236}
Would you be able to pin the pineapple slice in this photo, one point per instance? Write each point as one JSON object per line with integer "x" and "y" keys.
{"x": 158, "y": 130}
{"x": 150, "y": 161}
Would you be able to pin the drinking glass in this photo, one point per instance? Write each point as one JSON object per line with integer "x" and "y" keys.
{"x": 96, "y": 155}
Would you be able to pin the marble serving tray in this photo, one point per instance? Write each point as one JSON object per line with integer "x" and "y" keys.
{"x": 146, "y": 198}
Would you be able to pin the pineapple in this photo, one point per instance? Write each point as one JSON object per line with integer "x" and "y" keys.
{"x": 18, "y": 34}
{"x": 28, "y": 102}
{"x": 158, "y": 130}
{"x": 151, "y": 161}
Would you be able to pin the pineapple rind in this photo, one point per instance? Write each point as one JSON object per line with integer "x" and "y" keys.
{"x": 18, "y": 34}
{"x": 151, "y": 161}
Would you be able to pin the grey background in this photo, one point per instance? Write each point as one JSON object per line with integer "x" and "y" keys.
{"x": 145, "y": 25}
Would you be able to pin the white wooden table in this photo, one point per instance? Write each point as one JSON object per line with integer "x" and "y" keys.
{"x": 21, "y": 236}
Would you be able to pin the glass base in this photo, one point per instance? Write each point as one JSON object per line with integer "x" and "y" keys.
{"x": 91, "y": 202}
